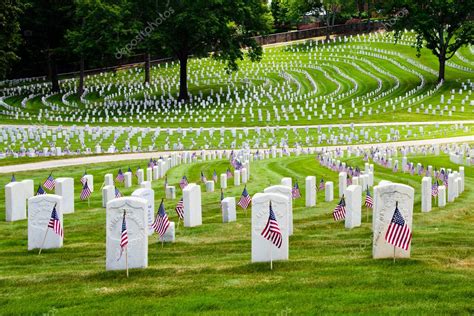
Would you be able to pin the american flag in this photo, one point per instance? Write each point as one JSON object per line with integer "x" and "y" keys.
{"x": 40, "y": 190}
{"x": 123, "y": 236}
{"x": 120, "y": 177}
{"x": 339, "y": 212}
{"x": 13, "y": 178}
{"x": 398, "y": 233}
{"x": 321, "y": 185}
{"x": 161, "y": 223}
{"x": 183, "y": 183}
{"x": 229, "y": 173}
{"x": 83, "y": 178}
{"x": 203, "y": 178}
{"x": 369, "y": 202}
{"x": 180, "y": 209}
{"x": 272, "y": 229}
{"x": 434, "y": 188}
{"x": 295, "y": 191}
{"x": 118, "y": 194}
{"x": 86, "y": 192}
{"x": 50, "y": 183}
{"x": 55, "y": 223}
{"x": 214, "y": 176}
{"x": 245, "y": 199}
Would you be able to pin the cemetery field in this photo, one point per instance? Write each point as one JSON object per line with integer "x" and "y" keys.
{"x": 208, "y": 270}
{"x": 363, "y": 78}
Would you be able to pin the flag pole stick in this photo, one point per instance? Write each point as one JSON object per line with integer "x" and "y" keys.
{"x": 44, "y": 239}
{"x": 271, "y": 256}
{"x": 162, "y": 241}
{"x": 126, "y": 259}
{"x": 393, "y": 254}
{"x": 88, "y": 202}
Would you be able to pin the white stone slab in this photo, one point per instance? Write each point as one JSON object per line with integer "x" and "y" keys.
{"x": 385, "y": 198}
{"x": 244, "y": 174}
{"x": 29, "y": 188}
{"x": 310, "y": 191}
{"x": 426, "y": 194}
{"x": 441, "y": 196}
{"x": 148, "y": 195}
{"x": 342, "y": 183}
{"x": 15, "y": 202}
{"x": 329, "y": 191}
{"x": 210, "y": 186}
{"x": 145, "y": 185}
{"x": 108, "y": 179}
{"x": 169, "y": 235}
{"x": 353, "y": 198}
{"x": 192, "y": 205}
{"x": 90, "y": 181}
{"x": 285, "y": 191}
{"x": 65, "y": 188}
{"x": 140, "y": 177}
{"x": 262, "y": 249}
{"x": 108, "y": 194}
{"x": 236, "y": 178}
{"x": 223, "y": 181}
{"x": 127, "y": 179}
{"x": 287, "y": 182}
{"x": 136, "y": 221}
{"x": 229, "y": 213}
{"x": 170, "y": 192}
{"x": 39, "y": 212}
{"x": 452, "y": 188}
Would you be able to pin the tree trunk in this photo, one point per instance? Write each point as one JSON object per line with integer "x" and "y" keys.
{"x": 53, "y": 73}
{"x": 183, "y": 78}
{"x": 147, "y": 67}
{"x": 80, "y": 89}
{"x": 442, "y": 66}
{"x": 328, "y": 31}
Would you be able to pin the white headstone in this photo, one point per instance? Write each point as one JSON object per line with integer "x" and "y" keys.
{"x": 286, "y": 182}
{"x": 148, "y": 195}
{"x": 285, "y": 191}
{"x": 229, "y": 213}
{"x": 385, "y": 198}
{"x": 145, "y": 185}
{"x": 192, "y": 205}
{"x": 170, "y": 192}
{"x": 244, "y": 175}
{"x": 127, "y": 179}
{"x": 353, "y": 197}
{"x": 452, "y": 188}
{"x": 441, "y": 196}
{"x": 426, "y": 194}
{"x": 264, "y": 250}
{"x": 169, "y": 235}
{"x": 108, "y": 179}
{"x": 90, "y": 181}
{"x": 15, "y": 202}
{"x": 39, "y": 212}
{"x": 65, "y": 188}
{"x": 210, "y": 186}
{"x": 329, "y": 191}
{"x": 139, "y": 174}
{"x": 108, "y": 194}
{"x": 28, "y": 188}
{"x": 342, "y": 183}
{"x": 236, "y": 178}
{"x": 310, "y": 191}
{"x": 136, "y": 221}
{"x": 223, "y": 181}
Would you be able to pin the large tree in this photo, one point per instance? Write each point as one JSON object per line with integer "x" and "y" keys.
{"x": 46, "y": 23}
{"x": 442, "y": 26}
{"x": 10, "y": 39}
{"x": 95, "y": 33}
{"x": 223, "y": 28}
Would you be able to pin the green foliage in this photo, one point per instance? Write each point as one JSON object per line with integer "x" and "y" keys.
{"x": 10, "y": 39}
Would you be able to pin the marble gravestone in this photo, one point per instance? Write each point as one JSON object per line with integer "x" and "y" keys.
{"x": 29, "y": 188}
{"x": 223, "y": 181}
{"x": 192, "y": 205}
{"x": 385, "y": 197}
{"x": 169, "y": 235}
{"x": 264, "y": 250}
{"x": 65, "y": 188}
{"x": 229, "y": 213}
{"x": 140, "y": 178}
{"x": 148, "y": 195}
{"x": 244, "y": 174}
{"x": 310, "y": 191}
{"x": 137, "y": 227}
{"x": 452, "y": 188}
{"x": 236, "y": 178}
{"x": 353, "y": 198}
{"x": 426, "y": 194}
{"x": 285, "y": 191}
{"x": 108, "y": 194}
{"x": 39, "y": 212}
{"x": 329, "y": 191}
{"x": 441, "y": 196}
{"x": 108, "y": 179}
{"x": 287, "y": 182}
{"x": 170, "y": 192}
{"x": 342, "y": 183}
{"x": 127, "y": 179}
{"x": 15, "y": 202}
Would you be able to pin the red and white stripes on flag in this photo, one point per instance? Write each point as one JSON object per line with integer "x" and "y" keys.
{"x": 339, "y": 212}
{"x": 161, "y": 223}
{"x": 272, "y": 229}
{"x": 49, "y": 183}
{"x": 86, "y": 192}
{"x": 55, "y": 223}
{"x": 398, "y": 233}
{"x": 245, "y": 199}
{"x": 180, "y": 209}
{"x": 123, "y": 236}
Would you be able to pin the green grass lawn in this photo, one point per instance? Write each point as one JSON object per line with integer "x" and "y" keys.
{"x": 208, "y": 269}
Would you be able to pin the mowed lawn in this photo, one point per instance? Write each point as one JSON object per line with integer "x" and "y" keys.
{"x": 208, "y": 269}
